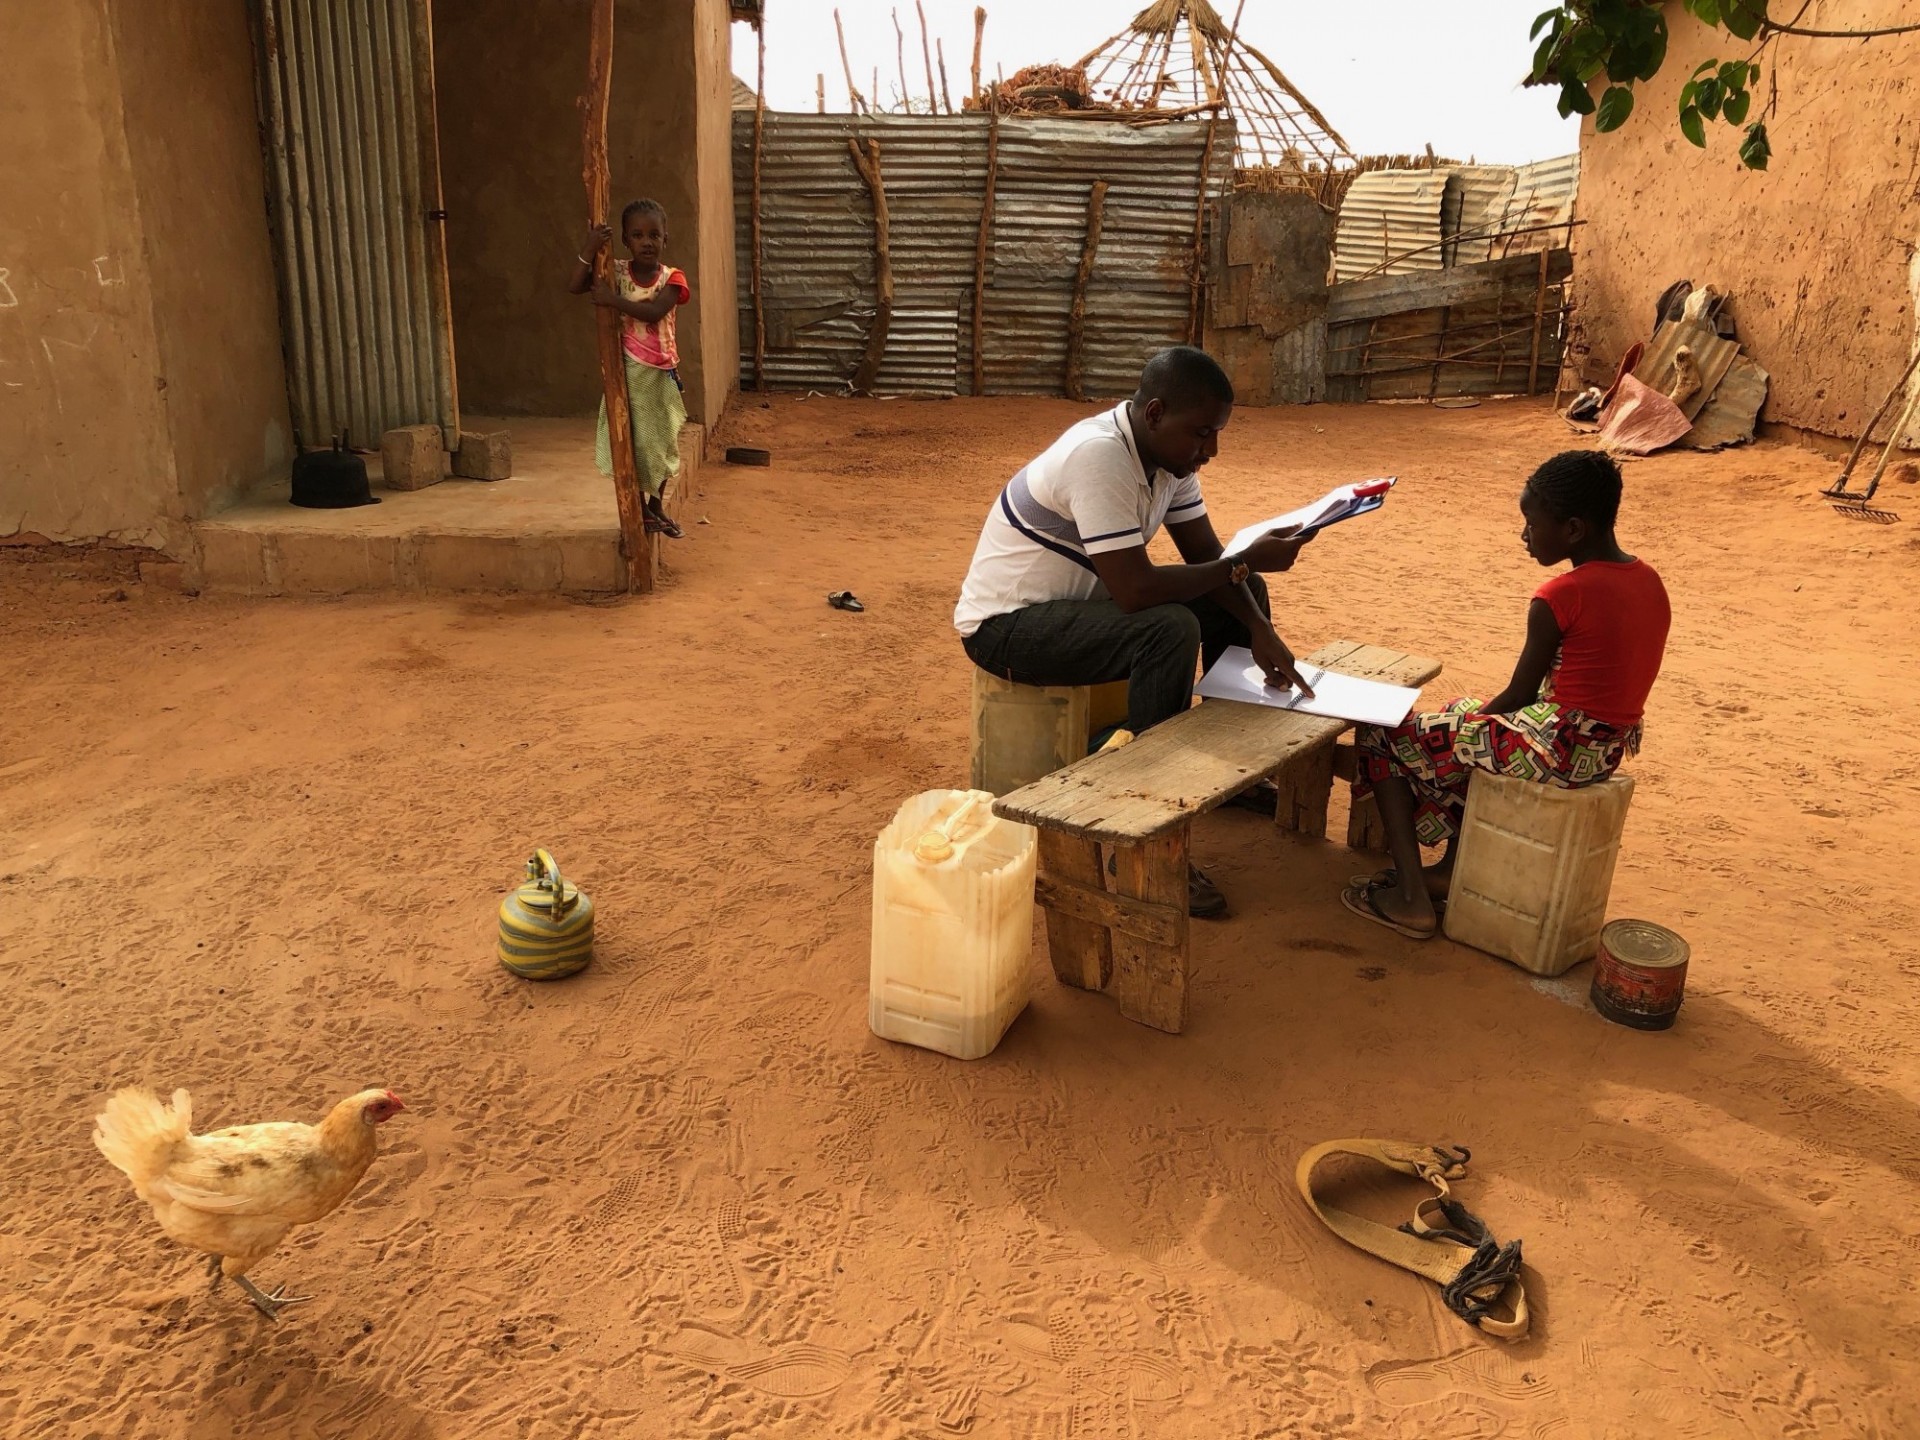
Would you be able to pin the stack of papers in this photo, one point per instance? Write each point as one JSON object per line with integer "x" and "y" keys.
{"x": 1234, "y": 676}
{"x": 1342, "y": 502}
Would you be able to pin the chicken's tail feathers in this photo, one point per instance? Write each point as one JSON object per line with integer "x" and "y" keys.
{"x": 137, "y": 1131}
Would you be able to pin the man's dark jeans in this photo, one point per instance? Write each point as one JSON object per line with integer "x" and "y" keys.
{"x": 1092, "y": 642}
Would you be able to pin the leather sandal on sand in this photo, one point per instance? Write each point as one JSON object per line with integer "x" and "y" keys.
{"x": 1444, "y": 1242}
{"x": 1360, "y": 899}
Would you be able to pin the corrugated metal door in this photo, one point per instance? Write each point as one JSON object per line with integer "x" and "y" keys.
{"x": 353, "y": 179}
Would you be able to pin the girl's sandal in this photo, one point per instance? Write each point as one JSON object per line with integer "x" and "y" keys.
{"x": 662, "y": 525}
{"x": 1387, "y": 879}
{"x": 1360, "y": 900}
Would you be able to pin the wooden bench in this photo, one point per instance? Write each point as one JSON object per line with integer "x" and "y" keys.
{"x": 1126, "y": 932}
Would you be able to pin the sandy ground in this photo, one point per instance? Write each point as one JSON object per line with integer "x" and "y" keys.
{"x": 255, "y": 849}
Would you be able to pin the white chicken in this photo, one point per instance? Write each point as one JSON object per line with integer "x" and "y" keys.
{"x": 235, "y": 1193}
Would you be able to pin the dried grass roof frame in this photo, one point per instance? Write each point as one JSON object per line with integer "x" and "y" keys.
{"x": 1180, "y": 55}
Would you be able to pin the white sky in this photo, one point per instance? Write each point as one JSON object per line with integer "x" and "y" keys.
{"x": 1390, "y": 75}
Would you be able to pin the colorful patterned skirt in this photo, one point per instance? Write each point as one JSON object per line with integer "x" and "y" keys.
{"x": 1437, "y": 751}
{"x": 657, "y": 413}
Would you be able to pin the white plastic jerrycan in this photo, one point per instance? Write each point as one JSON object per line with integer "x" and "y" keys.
{"x": 952, "y": 924}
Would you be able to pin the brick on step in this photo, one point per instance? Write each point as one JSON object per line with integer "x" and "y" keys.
{"x": 412, "y": 457}
{"x": 484, "y": 455}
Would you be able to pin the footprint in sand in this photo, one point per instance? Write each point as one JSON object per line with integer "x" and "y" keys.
{"x": 616, "y": 1201}
{"x": 1481, "y": 1372}
{"x": 1154, "y": 1380}
{"x": 957, "y": 1407}
{"x": 792, "y": 1372}
{"x": 795, "y": 1372}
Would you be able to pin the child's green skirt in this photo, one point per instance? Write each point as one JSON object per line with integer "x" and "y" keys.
{"x": 653, "y": 401}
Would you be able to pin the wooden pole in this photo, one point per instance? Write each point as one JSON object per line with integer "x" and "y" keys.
{"x": 940, "y": 53}
{"x": 759, "y": 141}
{"x": 1077, "y": 317}
{"x": 855, "y": 101}
{"x": 1198, "y": 261}
{"x": 1195, "y": 327}
{"x": 1539, "y": 318}
{"x": 900, "y": 55}
{"x": 926, "y": 55}
{"x": 979, "y": 30}
{"x": 635, "y": 543}
{"x": 820, "y": 91}
{"x": 869, "y": 167}
{"x": 980, "y": 245}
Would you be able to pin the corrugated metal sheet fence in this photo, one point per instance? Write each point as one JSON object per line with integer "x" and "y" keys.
{"x": 817, "y": 248}
{"x": 1397, "y": 222}
{"x": 354, "y": 184}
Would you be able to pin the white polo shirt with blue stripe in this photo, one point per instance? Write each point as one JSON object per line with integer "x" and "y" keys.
{"x": 1088, "y": 494}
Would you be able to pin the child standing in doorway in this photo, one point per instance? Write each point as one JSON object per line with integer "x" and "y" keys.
{"x": 645, "y": 292}
{"x": 1568, "y": 717}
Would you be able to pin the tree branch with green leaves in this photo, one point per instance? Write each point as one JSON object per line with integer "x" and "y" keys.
{"x": 1578, "y": 41}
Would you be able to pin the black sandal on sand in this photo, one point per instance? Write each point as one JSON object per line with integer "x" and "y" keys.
{"x": 1360, "y": 900}
{"x": 664, "y": 525}
{"x": 1263, "y": 798}
{"x": 845, "y": 600}
{"x": 1204, "y": 900}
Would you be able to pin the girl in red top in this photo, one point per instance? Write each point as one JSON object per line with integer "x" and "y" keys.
{"x": 1569, "y": 716}
{"x": 645, "y": 292}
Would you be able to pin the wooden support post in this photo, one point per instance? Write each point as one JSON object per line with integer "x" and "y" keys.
{"x": 1306, "y": 789}
{"x": 1196, "y": 328}
{"x": 1197, "y": 262}
{"x": 900, "y": 56}
{"x": 1539, "y": 318}
{"x": 1077, "y": 316}
{"x": 820, "y": 91}
{"x": 979, "y": 30}
{"x": 986, "y": 235}
{"x": 869, "y": 167}
{"x": 1566, "y": 354}
{"x": 940, "y": 54}
{"x": 635, "y": 542}
{"x": 1081, "y": 954}
{"x": 855, "y": 100}
{"x": 926, "y": 55}
{"x": 1439, "y": 353}
{"x": 1364, "y": 830}
{"x": 759, "y": 140}
{"x": 1150, "y": 979}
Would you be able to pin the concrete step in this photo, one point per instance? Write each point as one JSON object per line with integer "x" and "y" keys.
{"x": 553, "y": 528}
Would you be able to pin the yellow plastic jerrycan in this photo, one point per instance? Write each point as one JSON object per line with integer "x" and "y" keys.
{"x": 546, "y": 926}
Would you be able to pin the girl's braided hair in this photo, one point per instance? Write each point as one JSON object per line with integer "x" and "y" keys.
{"x": 636, "y": 207}
{"x": 1579, "y": 484}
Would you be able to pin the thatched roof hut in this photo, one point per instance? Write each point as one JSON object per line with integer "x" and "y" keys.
{"x": 1180, "y": 56}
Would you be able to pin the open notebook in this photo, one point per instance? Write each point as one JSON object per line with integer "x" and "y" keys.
{"x": 1342, "y": 502}
{"x": 1234, "y": 676}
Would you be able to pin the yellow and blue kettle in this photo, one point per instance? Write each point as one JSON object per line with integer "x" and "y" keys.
{"x": 546, "y": 926}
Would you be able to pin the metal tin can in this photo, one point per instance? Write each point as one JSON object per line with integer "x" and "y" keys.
{"x": 1639, "y": 974}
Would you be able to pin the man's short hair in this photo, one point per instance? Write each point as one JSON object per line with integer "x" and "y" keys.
{"x": 1181, "y": 376}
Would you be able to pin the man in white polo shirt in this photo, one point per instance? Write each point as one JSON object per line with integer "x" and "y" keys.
{"x": 1062, "y": 592}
